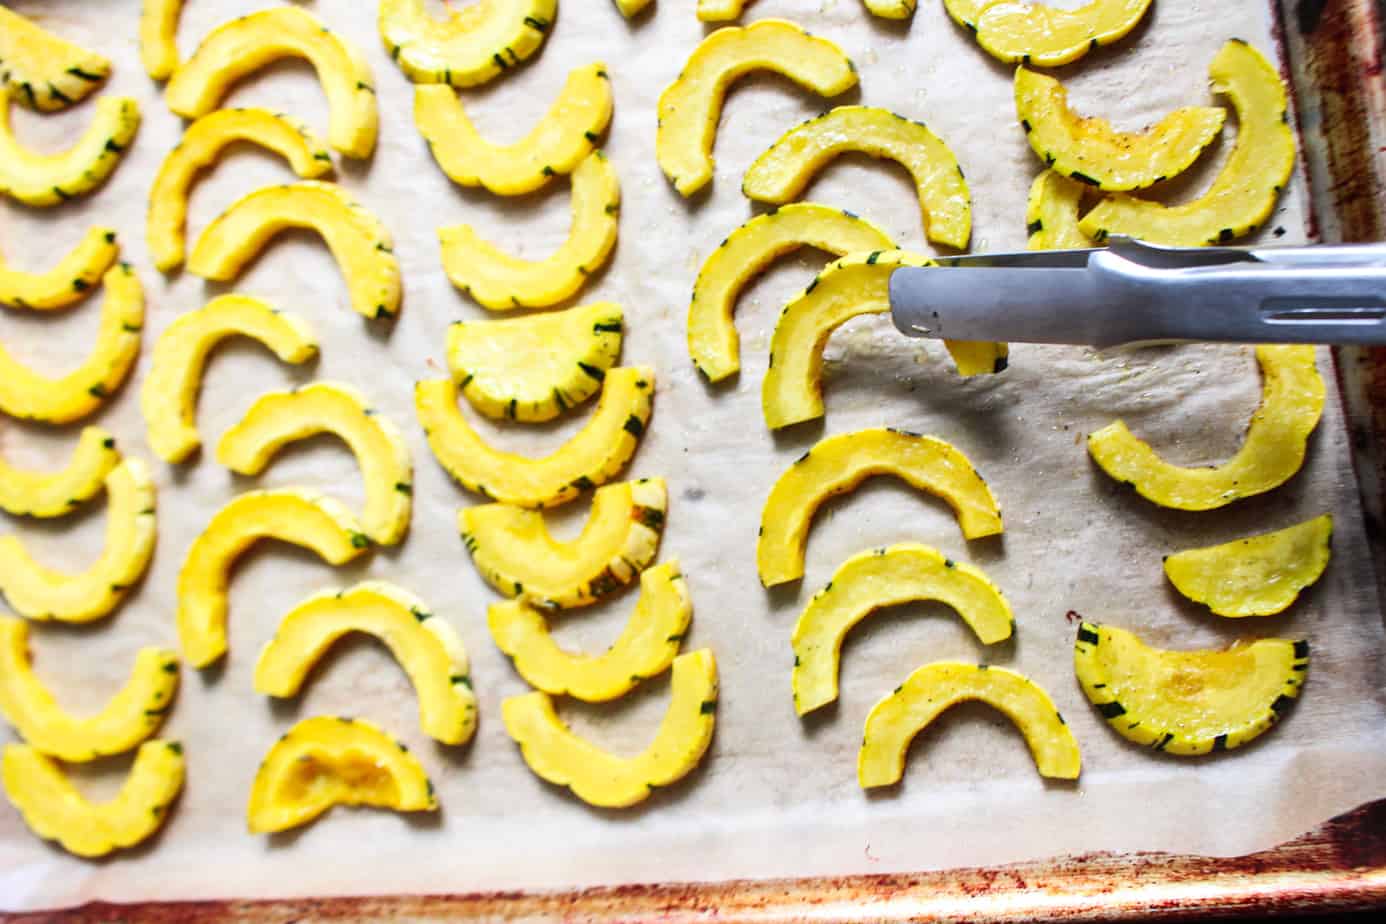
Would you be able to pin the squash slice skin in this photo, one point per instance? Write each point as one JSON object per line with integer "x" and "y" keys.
{"x": 691, "y": 107}
{"x": 426, "y": 647}
{"x": 1292, "y": 402}
{"x": 875, "y": 579}
{"x": 52, "y": 494}
{"x": 54, "y": 809}
{"x": 1257, "y": 576}
{"x": 42, "y": 70}
{"x": 838, "y": 464}
{"x": 50, "y": 179}
{"x": 67, "y": 281}
{"x": 932, "y": 689}
{"x": 470, "y": 47}
{"x": 782, "y": 172}
{"x": 1188, "y": 702}
{"x": 1051, "y": 214}
{"x": 1042, "y": 34}
{"x": 159, "y": 37}
{"x": 514, "y": 552}
{"x": 129, "y": 717}
{"x": 598, "y": 778}
{"x": 595, "y": 455}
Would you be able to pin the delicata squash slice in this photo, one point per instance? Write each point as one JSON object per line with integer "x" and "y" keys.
{"x": 1256, "y": 576}
{"x": 727, "y": 10}
{"x": 1042, "y": 34}
{"x": 44, "y": 71}
{"x": 54, "y": 493}
{"x": 1188, "y": 702}
{"x": 629, "y": 8}
{"x": 470, "y": 46}
{"x": 65, "y": 282}
{"x": 425, "y": 646}
{"x": 159, "y": 37}
{"x": 1051, "y": 213}
{"x": 599, "y": 778}
{"x": 48, "y": 179}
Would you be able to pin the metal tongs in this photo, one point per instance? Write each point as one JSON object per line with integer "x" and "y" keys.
{"x": 1133, "y": 292}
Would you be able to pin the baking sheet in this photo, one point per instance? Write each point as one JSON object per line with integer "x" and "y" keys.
{"x": 776, "y": 796}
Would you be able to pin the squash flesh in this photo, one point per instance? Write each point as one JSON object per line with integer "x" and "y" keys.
{"x": 159, "y": 37}
{"x": 52, "y": 494}
{"x": 45, "y": 71}
{"x": 1257, "y": 576}
{"x": 1051, "y": 214}
{"x": 67, "y": 281}
{"x": 1044, "y": 35}
{"x": 50, "y": 179}
{"x": 469, "y": 47}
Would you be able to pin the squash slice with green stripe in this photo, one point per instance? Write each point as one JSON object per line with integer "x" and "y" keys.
{"x": 25, "y": 492}
{"x": 44, "y": 71}
{"x": 66, "y": 282}
{"x": 468, "y": 47}
{"x": 1043, "y": 34}
{"x": 49, "y": 179}
{"x": 1255, "y": 576}
{"x": 1051, "y": 214}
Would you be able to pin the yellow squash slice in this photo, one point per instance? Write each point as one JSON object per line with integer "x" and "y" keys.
{"x": 1045, "y": 35}
{"x": 630, "y": 8}
{"x": 425, "y": 646}
{"x": 838, "y": 464}
{"x": 48, "y": 179}
{"x": 129, "y": 717}
{"x": 1051, "y": 213}
{"x": 645, "y": 647}
{"x": 691, "y": 106}
{"x": 535, "y": 367}
{"x": 514, "y": 552}
{"x": 471, "y": 46}
{"x": 500, "y": 281}
{"x": 159, "y": 37}
{"x": 317, "y": 523}
{"x": 712, "y": 339}
{"x": 52, "y": 494}
{"x": 728, "y": 10}
{"x": 562, "y": 139}
{"x": 242, "y": 46}
{"x": 595, "y": 455}
{"x": 202, "y": 144}
{"x": 334, "y": 760}
{"x": 277, "y": 419}
{"x": 44, "y": 71}
{"x": 1256, "y": 576}
{"x": 878, "y": 578}
{"x": 1291, "y": 404}
{"x": 54, "y": 809}
{"x": 599, "y": 778}
{"x": 1244, "y": 193}
{"x": 169, "y": 396}
{"x": 790, "y": 164}
{"x": 67, "y": 281}
{"x": 1188, "y": 702}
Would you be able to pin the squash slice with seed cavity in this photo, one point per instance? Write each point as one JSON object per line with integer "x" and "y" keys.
{"x": 501, "y": 282}
{"x": 595, "y": 455}
{"x": 712, "y": 339}
{"x": 535, "y": 367}
{"x": 1243, "y": 194}
{"x": 599, "y": 778}
{"x": 932, "y": 689}
{"x": 872, "y": 580}
{"x": 1188, "y": 702}
{"x": 242, "y": 46}
{"x": 565, "y": 136}
{"x": 514, "y": 552}
{"x": 67, "y": 281}
{"x": 159, "y": 37}
{"x": 1042, "y": 34}
{"x": 199, "y": 149}
{"x": 129, "y": 717}
{"x": 838, "y": 464}
{"x": 1051, "y": 214}
{"x": 48, "y": 179}
{"x": 54, "y": 809}
{"x": 691, "y": 106}
{"x": 42, "y": 70}
{"x": 1256, "y": 576}
{"x": 334, "y": 760}
{"x": 645, "y": 647}
{"x": 313, "y": 522}
{"x": 781, "y": 173}
{"x": 279, "y": 418}
{"x": 1292, "y": 401}
{"x": 425, "y": 646}
{"x": 52, "y": 494}
{"x": 470, "y": 46}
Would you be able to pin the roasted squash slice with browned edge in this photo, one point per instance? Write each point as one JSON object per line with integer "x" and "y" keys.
{"x": 468, "y": 47}
{"x": 50, "y": 179}
{"x": 65, "y": 282}
{"x": 1256, "y": 576}
{"x": 44, "y": 71}
{"x": 24, "y": 492}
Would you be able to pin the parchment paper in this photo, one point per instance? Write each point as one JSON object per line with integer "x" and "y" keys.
{"x": 775, "y": 796}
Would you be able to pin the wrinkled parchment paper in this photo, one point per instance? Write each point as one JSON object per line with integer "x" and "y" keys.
{"x": 775, "y": 796}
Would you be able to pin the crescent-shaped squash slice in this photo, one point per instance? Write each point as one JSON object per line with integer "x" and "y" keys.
{"x": 425, "y": 646}
{"x": 469, "y": 47}
{"x": 1042, "y": 34}
{"x": 45, "y": 71}
{"x": 358, "y": 240}
{"x": 48, "y": 179}
{"x": 894, "y": 721}
{"x": 200, "y": 147}
{"x": 318, "y": 523}
{"x": 169, "y": 396}
{"x": 52, "y": 494}
{"x": 1244, "y": 193}
{"x": 877, "y": 578}
{"x": 691, "y": 106}
{"x": 54, "y": 809}
{"x": 720, "y": 10}
{"x": 712, "y": 339}
{"x": 781, "y": 173}
{"x": 500, "y": 281}
{"x": 645, "y": 647}
{"x": 67, "y": 281}
{"x": 599, "y": 778}
{"x": 43, "y": 593}
{"x": 1291, "y": 403}
{"x": 242, "y": 46}
{"x": 535, "y": 367}
{"x": 279, "y": 418}
{"x": 595, "y": 455}
{"x": 1051, "y": 213}
{"x": 334, "y": 760}
{"x": 159, "y": 37}
{"x": 1188, "y": 702}
{"x": 129, "y": 717}
{"x": 1256, "y": 576}
{"x": 838, "y": 464}
{"x": 565, "y": 136}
